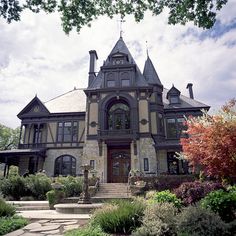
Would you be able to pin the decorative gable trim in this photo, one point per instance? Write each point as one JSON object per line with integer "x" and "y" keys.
{"x": 34, "y": 109}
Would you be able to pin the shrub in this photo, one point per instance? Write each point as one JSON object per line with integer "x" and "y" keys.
{"x": 196, "y": 221}
{"x": 86, "y": 231}
{"x": 119, "y": 217}
{"x": 38, "y": 185}
{"x": 221, "y": 202}
{"x": 9, "y": 224}
{"x": 54, "y": 196}
{"x": 166, "y": 196}
{"x": 162, "y": 182}
{"x": 159, "y": 219}
{"x": 72, "y": 186}
{"x": 14, "y": 187}
{"x": 192, "y": 192}
{"x": 6, "y": 209}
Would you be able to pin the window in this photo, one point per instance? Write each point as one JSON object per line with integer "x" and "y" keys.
{"x": 174, "y": 127}
{"x": 174, "y": 99}
{"x": 37, "y": 134}
{"x": 118, "y": 116}
{"x": 65, "y": 165}
{"x": 125, "y": 82}
{"x": 92, "y": 163}
{"x": 160, "y": 123}
{"x": 110, "y": 83}
{"x": 145, "y": 164}
{"x": 67, "y": 131}
{"x": 176, "y": 166}
{"x": 171, "y": 128}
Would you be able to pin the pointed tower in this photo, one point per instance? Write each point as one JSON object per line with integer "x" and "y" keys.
{"x": 156, "y": 103}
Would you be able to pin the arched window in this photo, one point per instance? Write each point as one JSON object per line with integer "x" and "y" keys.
{"x": 65, "y": 165}
{"x": 118, "y": 116}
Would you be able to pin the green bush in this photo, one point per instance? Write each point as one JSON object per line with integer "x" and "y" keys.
{"x": 119, "y": 217}
{"x": 38, "y": 185}
{"x": 196, "y": 221}
{"x": 54, "y": 196}
{"x": 86, "y": 231}
{"x": 6, "y": 209}
{"x": 158, "y": 220}
{"x": 14, "y": 187}
{"x": 221, "y": 202}
{"x": 9, "y": 224}
{"x": 72, "y": 186}
{"x": 166, "y": 196}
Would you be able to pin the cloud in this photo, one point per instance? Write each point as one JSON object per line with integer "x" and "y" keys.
{"x": 36, "y": 57}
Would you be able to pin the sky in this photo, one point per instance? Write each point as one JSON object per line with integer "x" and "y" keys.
{"x": 38, "y": 58}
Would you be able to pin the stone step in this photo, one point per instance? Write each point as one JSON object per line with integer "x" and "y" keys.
{"x": 30, "y": 205}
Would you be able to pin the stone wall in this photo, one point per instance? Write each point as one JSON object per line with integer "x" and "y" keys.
{"x": 52, "y": 154}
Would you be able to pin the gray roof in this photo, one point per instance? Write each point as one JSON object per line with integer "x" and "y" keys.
{"x": 185, "y": 102}
{"x": 150, "y": 73}
{"x": 72, "y": 101}
{"x": 120, "y": 47}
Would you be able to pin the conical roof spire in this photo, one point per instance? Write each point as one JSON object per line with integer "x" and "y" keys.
{"x": 150, "y": 73}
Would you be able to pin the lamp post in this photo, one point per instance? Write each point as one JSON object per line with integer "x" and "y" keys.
{"x": 85, "y": 198}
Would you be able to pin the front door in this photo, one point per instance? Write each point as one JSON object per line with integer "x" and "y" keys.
{"x": 118, "y": 165}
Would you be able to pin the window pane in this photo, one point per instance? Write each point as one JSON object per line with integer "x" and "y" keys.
{"x": 75, "y": 131}
{"x": 110, "y": 83}
{"x": 92, "y": 163}
{"x": 174, "y": 99}
{"x": 65, "y": 165}
{"x": 146, "y": 164}
{"x": 60, "y": 132}
{"x": 125, "y": 82}
{"x": 171, "y": 128}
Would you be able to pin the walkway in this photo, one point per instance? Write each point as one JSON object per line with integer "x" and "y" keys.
{"x": 49, "y": 223}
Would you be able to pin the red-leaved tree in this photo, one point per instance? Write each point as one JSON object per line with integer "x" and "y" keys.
{"x": 211, "y": 142}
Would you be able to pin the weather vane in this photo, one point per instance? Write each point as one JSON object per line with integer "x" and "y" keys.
{"x": 121, "y": 20}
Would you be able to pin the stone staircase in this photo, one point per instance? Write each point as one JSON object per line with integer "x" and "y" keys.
{"x": 110, "y": 191}
{"x": 30, "y": 205}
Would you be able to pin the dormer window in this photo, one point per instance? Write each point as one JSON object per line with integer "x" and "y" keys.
{"x": 173, "y": 95}
{"x": 174, "y": 99}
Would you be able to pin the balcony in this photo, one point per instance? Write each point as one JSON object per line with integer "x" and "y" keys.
{"x": 117, "y": 134}
{"x": 32, "y": 145}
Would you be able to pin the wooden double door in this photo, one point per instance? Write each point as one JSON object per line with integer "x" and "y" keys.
{"x": 118, "y": 165}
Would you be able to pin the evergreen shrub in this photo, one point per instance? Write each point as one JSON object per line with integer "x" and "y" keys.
{"x": 159, "y": 219}
{"x": 166, "y": 196}
{"x": 221, "y": 202}
{"x": 6, "y": 209}
{"x": 196, "y": 221}
{"x": 9, "y": 224}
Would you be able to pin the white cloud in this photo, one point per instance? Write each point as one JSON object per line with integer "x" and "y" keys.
{"x": 36, "y": 57}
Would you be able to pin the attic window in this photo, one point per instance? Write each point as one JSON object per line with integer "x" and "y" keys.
{"x": 174, "y": 99}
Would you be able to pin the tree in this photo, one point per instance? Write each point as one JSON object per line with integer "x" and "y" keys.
{"x": 211, "y": 142}
{"x": 9, "y": 138}
{"x": 77, "y": 13}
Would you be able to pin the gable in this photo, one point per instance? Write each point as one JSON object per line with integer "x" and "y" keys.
{"x": 34, "y": 109}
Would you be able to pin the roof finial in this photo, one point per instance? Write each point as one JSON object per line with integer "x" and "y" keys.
{"x": 121, "y": 20}
{"x": 147, "y": 48}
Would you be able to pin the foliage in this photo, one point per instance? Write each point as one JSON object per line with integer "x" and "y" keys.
{"x": 166, "y": 196}
{"x": 192, "y": 192}
{"x": 72, "y": 186}
{"x": 9, "y": 137}
{"x": 38, "y": 185}
{"x": 162, "y": 182}
{"x": 159, "y": 219}
{"x": 75, "y": 14}
{"x": 14, "y": 187}
{"x": 196, "y": 221}
{"x": 120, "y": 216}
{"x": 9, "y": 224}
{"x": 6, "y": 209}
{"x": 221, "y": 202}
{"x": 211, "y": 144}
{"x": 86, "y": 231}
{"x": 54, "y": 196}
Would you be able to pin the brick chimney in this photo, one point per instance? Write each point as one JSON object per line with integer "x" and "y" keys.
{"x": 190, "y": 90}
{"x": 92, "y": 66}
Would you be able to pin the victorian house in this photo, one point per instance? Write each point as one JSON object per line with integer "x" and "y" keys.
{"x": 124, "y": 120}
